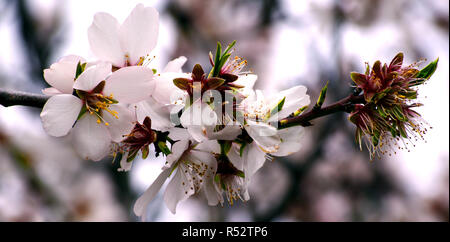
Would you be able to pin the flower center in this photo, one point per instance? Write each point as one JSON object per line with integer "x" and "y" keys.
{"x": 257, "y": 110}
{"x": 95, "y": 102}
{"x": 234, "y": 66}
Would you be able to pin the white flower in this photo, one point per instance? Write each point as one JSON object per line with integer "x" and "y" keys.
{"x": 61, "y": 75}
{"x": 160, "y": 106}
{"x": 127, "y": 43}
{"x": 206, "y": 121}
{"x": 100, "y": 95}
{"x": 202, "y": 123}
{"x": 234, "y": 173}
{"x": 190, "y": 166}
{"x": 261, "y": 112}
{"x": 247, "y": 81}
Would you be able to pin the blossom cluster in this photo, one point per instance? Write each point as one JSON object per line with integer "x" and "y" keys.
{"x": 388, "y": 115}
{"x": 214, "y": 130}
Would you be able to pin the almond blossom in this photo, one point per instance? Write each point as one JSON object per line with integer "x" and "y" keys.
{"x": 125, "y": 44}
{"x": 263, "y": 113}
{"x": 166, "y": 100}
{"x": 191, "y": 165}
{"x": 97, "y": 108}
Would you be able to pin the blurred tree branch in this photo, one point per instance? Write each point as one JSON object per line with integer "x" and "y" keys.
{"x": 11, "y": 98}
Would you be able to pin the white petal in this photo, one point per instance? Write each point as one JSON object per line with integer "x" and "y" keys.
{"x": 118, "y": 127}
{"x": 130, "y": 84}
{"x": 177, "y": 192}
{"x": 165, "y": 91}
{"x": 229, "y": 132}
{"x": 61, "y": 75}
{"x": 124, "y": 164}
{"x": 175, "y": 65}
{"x": 198, "y": 133}
{"x": 199, "y": 118}
{"x": 60, "y": 113}
{"x": 235, "y": 157}
{"x": 90, "y": 139}
{"x": 208, "y": 146}
{"x": 104, "y": 39}
{"x": 296, "y": 98}
{"x": 92, "y": 76}
{"x": 292, "y": 141}
{"x": 247, "y": 80}
{"x": 177, "y": 150}
{"x": 179, "y": 134}
{"x": 212, "y": 193}
{"x": 51, "y": 91}
{"x": 255, "y": 159}
{"x": 207, "y": 159}
{"x": 139, "y": 32}
{"x": 264, "y": 135}
{"x": 159, "y": 114}
{"x": 73, "y": 58}
{"x": 140, "y": 206}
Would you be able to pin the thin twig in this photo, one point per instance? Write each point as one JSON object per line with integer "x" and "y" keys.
{"x": 344, "y": 105}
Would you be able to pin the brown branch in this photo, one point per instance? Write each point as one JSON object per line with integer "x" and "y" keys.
{"x": 344, "y": 105}
{"x": 11, "y": 98}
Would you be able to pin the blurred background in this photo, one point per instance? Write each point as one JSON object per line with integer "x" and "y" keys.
{"x": 286, "y": 43}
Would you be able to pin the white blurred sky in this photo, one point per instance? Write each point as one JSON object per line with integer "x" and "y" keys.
{"x": 420, "y": 168}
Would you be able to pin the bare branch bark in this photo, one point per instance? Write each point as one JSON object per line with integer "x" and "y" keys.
{"x": 11, "y": 98}
{"x": 344, "y": 105}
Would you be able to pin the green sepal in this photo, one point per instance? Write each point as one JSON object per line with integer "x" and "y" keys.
{"x": 241, "y": 150}
{"x": 300, "y": 110}
{"x": 240, "y": 174}
{"x": 358, "y": 78}
{"x": 173, "y": 169}
{"x": 222, "y": 62}
{"x": 428, "y": 70}
{"x": 375, "y": 137}
{"x": 145, "y": 151}
{"x": 322, "y": 96}
{"x": 181, "y": 83}
{"x": 216, "y": 68}
{"x": 132, "y": 155}
{"x": 397, "y": 111}
{"x": 163, "y": 147}
{"x": 80, "y": 69}
{"x": 154, "y": 71}
{"x": 215, "y": 82}
{"x": 81, "y": 94}
{"x": 82, "y": 112}
{"x": 393, "y": 130}
{"x": 402, "y": 130}
{"x": 230, "y": 46}
{"x": 219, "y": 181}
{"x": 277, "y": 108}
{"x": 367, "y": 69}
{"x": 382, "y": 112}
{"x": 410, "y": 94}
{"x": 225, "y": 146}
